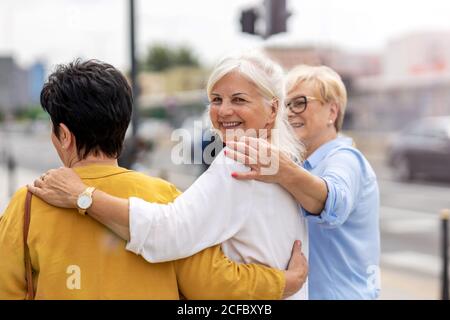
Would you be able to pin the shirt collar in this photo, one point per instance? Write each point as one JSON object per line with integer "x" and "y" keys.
{"x": 98, "y": 171}
{"x": 321, "y": 152}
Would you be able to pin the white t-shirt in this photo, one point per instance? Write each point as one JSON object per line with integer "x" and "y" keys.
{"x": 255, "y": 222}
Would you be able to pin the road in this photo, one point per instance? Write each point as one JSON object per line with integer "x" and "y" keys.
{"x": 409, "y": 215}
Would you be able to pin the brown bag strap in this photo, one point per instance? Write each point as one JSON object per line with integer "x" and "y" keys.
{"x": 28, "y": 267}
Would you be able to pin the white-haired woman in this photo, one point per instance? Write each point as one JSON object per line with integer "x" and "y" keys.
{"x": 336, "y": 187}
{"x": 255, "y": 222}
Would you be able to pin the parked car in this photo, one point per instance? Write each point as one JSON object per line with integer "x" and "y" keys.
{"x": 422, "y": 149}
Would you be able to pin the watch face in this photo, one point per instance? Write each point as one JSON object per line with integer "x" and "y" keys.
{"x": 84, "y": 202}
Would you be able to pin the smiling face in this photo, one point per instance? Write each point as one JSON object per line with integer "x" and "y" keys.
{"x": 237, "y": 104}
{"x": 315, "y": 125}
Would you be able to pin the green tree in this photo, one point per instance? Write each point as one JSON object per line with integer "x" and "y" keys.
{"x": 159, "y": 58}
{"x": 185, "y": 57}
{"x": 32, "y": 112}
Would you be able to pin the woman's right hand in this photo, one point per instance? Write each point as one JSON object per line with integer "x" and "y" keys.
{"x": 267, "y": 163}
{"x": 58, "y": 187}
{"x": 297, "y": 271}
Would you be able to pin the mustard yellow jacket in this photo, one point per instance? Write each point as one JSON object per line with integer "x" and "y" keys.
{"x": 75, "y": 257}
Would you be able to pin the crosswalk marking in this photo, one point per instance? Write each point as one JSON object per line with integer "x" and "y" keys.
{"x": 387, "y": 212}
{"x": 413, "y": 261}
{"x": 410, "y": 226}
{"x": 402, "y": 221}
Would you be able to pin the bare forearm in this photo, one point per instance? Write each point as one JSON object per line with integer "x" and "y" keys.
{"x": 292, "y": 281}
{"x": 62, "y": 188}
{"x": 112, "y": 212}
{"x": 289, "y": 288}
{"x": 297, "y": 271}
{"x": 309, "y": 191}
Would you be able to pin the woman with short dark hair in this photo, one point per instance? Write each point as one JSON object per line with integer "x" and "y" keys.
{"x": 253, "y": 221}
{"x": 73, "y": 256}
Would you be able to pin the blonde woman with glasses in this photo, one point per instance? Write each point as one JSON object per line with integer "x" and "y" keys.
{"x": 336, "y": 187}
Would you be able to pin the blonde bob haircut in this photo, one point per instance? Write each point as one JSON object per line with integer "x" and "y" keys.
{"x": 268, "y": 77}
{"x": 327, "y": 83}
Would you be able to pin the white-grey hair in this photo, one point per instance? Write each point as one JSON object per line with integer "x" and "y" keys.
{"x": 268, "y": 77}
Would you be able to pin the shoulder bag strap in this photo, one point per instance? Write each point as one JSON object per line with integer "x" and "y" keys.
{"x": 28, "y": 267}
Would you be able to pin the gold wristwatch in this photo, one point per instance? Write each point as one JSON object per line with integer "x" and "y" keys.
{"x": 84, "y": 200}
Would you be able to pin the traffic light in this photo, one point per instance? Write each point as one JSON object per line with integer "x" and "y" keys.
{"x": 276, "y": 16}
{"x": 248, "y": 20}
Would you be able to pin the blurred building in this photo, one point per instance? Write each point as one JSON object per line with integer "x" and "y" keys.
{"x": 36, "y": 79}
{"x": 409, "y": 80}
{"x": 175, "y": 94}
{"x": 173, "y": 80}
{"x": 19, "y": 87}
{"x": 418, "y": 54}
{"x": 350, "y": 66}
{"x": 414, "y": 83}
{"x": 14, "y": 85}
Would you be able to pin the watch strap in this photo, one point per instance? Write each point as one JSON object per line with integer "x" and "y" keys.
{"x": 89, "y": 191}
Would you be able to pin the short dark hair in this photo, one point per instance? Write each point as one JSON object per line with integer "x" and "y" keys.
{"x": 94, "y": 100}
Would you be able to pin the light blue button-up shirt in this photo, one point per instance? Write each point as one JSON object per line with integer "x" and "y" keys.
{"x": 344, "y": 239}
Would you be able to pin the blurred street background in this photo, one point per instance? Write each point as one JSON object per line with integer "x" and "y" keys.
{"x": 394, "y": 58}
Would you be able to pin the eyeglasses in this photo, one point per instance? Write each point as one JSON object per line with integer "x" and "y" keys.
{"x": 298, "y": 104}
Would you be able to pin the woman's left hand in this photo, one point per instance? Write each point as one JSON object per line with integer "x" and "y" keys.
{"x": 267, "y": 163}
{"x": 58, "y": 187}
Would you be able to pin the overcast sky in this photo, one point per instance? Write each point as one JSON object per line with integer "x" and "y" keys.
{"x": 60, "y": 30}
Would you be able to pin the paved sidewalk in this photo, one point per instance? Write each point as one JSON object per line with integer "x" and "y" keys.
{"x": 401, "y": 285}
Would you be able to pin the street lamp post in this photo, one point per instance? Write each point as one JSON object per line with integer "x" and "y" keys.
{"x": 129, "y": 153}
{"x": 445, "y": 215}
{"x": 134, "y": 86}
{"x": 9, "y": 161}
{"x": 11, "y": 164}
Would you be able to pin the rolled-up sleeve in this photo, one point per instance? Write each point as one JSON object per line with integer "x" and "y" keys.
{"x": 211, "y": 211}
{"x": 342, "y": 175}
